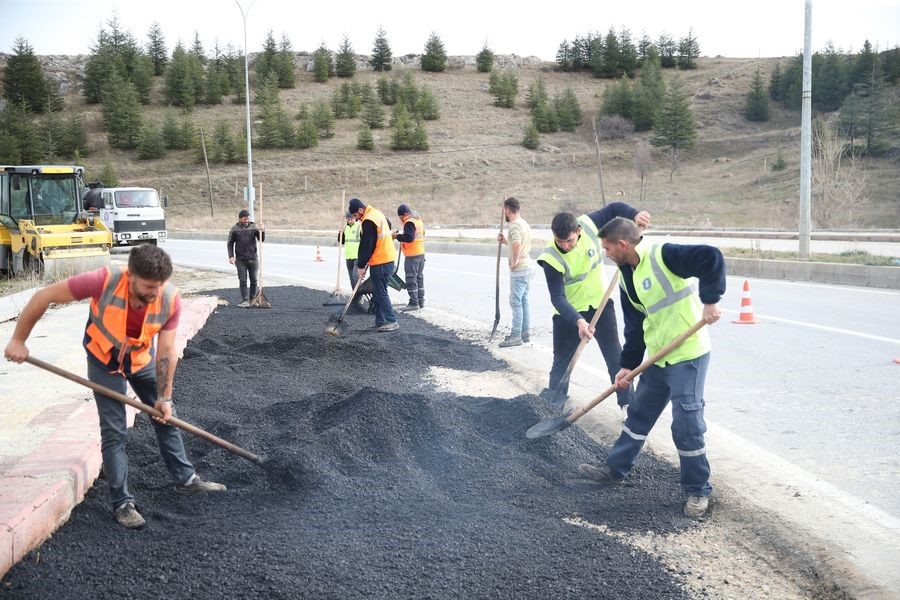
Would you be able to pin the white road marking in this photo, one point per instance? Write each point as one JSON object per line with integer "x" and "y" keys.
{"x": 866, "y": 336}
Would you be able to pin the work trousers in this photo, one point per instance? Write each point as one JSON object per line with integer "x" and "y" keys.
{"x": 247, "y": 268}
{"x": 384, "y": 312}
{"x": 352, "y": 272}
{"x": 114, "y": 430}
{"x": 682, "y": 383}
{"x": 414, "y": 268}
{"x": 519, "y": 285}
{"x": 565, "y": 343}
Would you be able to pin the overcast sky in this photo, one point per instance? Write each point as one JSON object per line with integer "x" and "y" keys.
{"x": 723, "y": 27}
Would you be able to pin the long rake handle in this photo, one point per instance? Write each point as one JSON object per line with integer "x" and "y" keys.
{"x": 584, "y": 342}
{"x": 145, "y": 408}
{"x": 337, "y": 283}
{"x": 638, "y": 370}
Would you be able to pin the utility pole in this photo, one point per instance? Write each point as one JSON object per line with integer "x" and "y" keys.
{"x": 212, "y": 213}
{"x": 599, "y": 163}
{"x": 250, "y": 192}
{"x": 806, "y": 135}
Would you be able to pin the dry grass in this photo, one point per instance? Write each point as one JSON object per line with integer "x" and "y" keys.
{"x": 476, "y": 160}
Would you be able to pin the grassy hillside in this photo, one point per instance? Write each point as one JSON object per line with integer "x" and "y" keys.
{"x": 476, "y": 160}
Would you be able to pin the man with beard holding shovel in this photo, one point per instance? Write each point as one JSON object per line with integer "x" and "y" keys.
{"x": 129, "y": 308}
{"x": 573, "y": 267}
{"x": 659, "y": 304}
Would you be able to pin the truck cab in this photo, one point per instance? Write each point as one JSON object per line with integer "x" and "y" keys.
{"x": 133, "y": 214}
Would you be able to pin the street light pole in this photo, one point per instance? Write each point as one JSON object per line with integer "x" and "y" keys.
{"x": 250, "y": 194}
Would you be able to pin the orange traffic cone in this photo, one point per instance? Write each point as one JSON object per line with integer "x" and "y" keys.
{"x": 746, "y": 317}
{"x": 319, "y": 255}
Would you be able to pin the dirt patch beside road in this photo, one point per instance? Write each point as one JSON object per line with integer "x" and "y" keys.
{"x": 384, "y": 482}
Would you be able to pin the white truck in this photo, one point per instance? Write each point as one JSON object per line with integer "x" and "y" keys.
{"x": 134, "y": 215}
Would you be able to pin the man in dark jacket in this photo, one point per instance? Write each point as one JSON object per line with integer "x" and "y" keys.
{"x": 242, "y": 253}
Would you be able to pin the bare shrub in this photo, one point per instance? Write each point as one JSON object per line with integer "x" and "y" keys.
{"x": 614, "y": 127}
{"x": 838, "y": 192}
{"x": 643, "y": 164}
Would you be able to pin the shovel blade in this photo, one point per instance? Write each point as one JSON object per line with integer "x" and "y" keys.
{"x": 336, "y": 327}
{"x": 548, "y": 427}
{"x": 335, "y": 299}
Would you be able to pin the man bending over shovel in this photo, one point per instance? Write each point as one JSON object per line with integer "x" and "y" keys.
{"x": 659, "y": 304}
{"x": 129, "y": 308}
{"x": 573, "y": 267}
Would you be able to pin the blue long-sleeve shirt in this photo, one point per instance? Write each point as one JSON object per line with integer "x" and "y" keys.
{"x": 555, "y": 283}
{"x": 703, "y": 262}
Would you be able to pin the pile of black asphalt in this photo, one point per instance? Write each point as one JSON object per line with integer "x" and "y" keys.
{"x": 376, "y": 484}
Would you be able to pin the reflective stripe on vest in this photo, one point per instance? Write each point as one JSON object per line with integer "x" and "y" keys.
{"x": 670, "y": 305}
{"x": 417, "y": 246}
{"x": 384, "y": 252}
{"x": 351, "y": 240}
{"x": 581, "y": 267}
{"x": 106, "y": 330}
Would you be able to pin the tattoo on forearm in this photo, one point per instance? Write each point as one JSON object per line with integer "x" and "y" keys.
{"x": 162, "y": 377}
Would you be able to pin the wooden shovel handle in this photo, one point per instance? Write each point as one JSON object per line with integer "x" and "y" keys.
{"x": 638, "y": 370}
{"x": 145, "y": 408}
{"x": 613, "y": 283}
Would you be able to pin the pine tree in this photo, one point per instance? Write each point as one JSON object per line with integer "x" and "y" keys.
{"x": 187, "y": 135}
{"x": 75, "y": 140}
{"x": 537, "y": 93}
{"x": 688, "y": 51}
{"x": 23, "y": 78}
{"x": 628, "y": 54}
{"x": 532, "y": 137}
{"x": 756, "y": 106}
{"x": 420, "y": 136}
{"x": 345, "y": 63}
{"x": 156, "y": 49}
{"x": 170, "y": 132}
{"x": 307, "y": 135}
{"x": 323, "y": 119}
{"x": 674, "y": 129}
{"x": 197, "y": 48}
{"x": 373, "y": 114}
{"x": 387, "y": 91}
{"x": 151, "y": 144}
{"x": 865, "y": 113}
{"x": 285, "y": 64}
{"x": 775, "y": 83}
{"x": 609, "y": 64}
{"x": 108, "y": 176}
{"x": 267, "y": 61}
{"x": 668, "y": 51}
{"x": 381, "y": 52}
{"x": 830, "y": 80}
{"x": 142, "y": 77}
{"x": 364, "y": 139}
{"x": 618, "y": 99}
{"x": 408, "y": 92}
{"x": 427, "y": 106}
{"x": 863, "y": 65}
{"x": 504, "y": 88}
{"x": 403, "y": 129}
{"x": 434, "y": 59}
{"x": 52, "y": 136}
{"x": 544, "y": 117}
{"x": 643, "y": 47}
{"x": 484, "y": 61}
{"x": 569, "y": 110}
{"x": 649, "y": 91}
{"x": 121, "y": 113}
{"x": 270, "y": 132}
{"x": 565, "y": 57}
{"x": 322, "y": 64}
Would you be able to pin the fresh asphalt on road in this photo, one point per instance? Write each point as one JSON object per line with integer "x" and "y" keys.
{"x": 814, "y": 383}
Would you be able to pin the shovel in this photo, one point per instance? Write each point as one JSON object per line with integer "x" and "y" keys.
{"x": 497, "y": 287}
{"x": 556, "y": 424}
{"x": 554, "y": 395}
{"x": 336, "y": 297}
{"x": 147, "y": 409}
{"x": 336, "y": 327}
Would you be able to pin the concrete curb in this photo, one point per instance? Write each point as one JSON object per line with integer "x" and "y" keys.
{"x": 38, "y": 494}
{"x": 828, "y": 273}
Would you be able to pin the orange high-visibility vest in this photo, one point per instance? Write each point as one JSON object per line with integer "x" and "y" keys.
{"x": 106, "y": 329}
{"x": 417, "y": 246}
{"x": 385, "y": 252}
